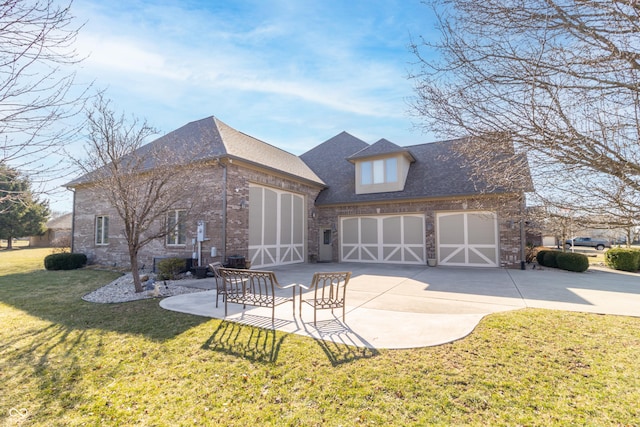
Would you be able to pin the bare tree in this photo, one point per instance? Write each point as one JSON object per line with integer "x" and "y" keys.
{"x": 559, "y": 78}
{"x": 141, "y": 182}
{"x": 37, "y": 90}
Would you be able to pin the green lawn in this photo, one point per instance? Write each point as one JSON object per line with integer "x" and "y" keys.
{"x": 67, "y": 362}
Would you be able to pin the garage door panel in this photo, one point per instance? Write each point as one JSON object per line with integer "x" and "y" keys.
{"x": 392, "y": 254}
{"x": 414, "y": 231}
{"x": 369, "y": 253}
{"x": 350, "y": 253}
{"x": 413, "y": 254}
{"x": 276, "y": 227}
{"x": 270, "y": 215}
{"x": 467, "y": 238}
{"x": 350, "y": 231}
{"x": 368, "y": 231}
{"x": 451, "y": 227}
{"x": 255, "y": 218}
{"x": 286, "y": 216}
{"x": 389, "y": 238}
{"x": 451, "y": 255}
{"x": 481, "y": 229}
{"x": 481, "y": 255}
{"x": 298, "y": 222}
{"x": 392, "y": 228}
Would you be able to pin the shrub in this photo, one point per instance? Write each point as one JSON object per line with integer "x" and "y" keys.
{"x": 623, "y": 259}
{"x": 550, "y": 259}
{"x": 572, "y": 261}
{"x": 64, "y": 261}
{"x": 540, "y": 256}
{"x": 169, "y": 268}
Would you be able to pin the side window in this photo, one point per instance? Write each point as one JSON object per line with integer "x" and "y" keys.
{"x": 326, "y": 237}
{"x": 102, "y": 230}
{"x": 176, "y": 228}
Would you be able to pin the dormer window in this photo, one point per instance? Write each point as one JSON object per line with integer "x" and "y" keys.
{"x": 379, "y": 171}
{"x": 381, "y": 168}
{"x": 381, "y": 175}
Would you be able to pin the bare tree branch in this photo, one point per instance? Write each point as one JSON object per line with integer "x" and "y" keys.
{"x": 38, "y": 95}
{"x": 561, "y": 78}
{"x": 142, "y": 183}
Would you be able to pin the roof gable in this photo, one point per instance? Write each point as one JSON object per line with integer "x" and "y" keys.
{"x": 242, "y": 146}
{"x": 329, "y": 161}
{"x": 381, "y": 148}
{"x": 210, "y": 138}
{"x": 438, "y": 170}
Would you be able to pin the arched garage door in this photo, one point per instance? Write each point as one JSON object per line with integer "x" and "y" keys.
{"x": 276, "y": 227}
{"x": 467, "y": 239}
{"x": 383, "y": 239}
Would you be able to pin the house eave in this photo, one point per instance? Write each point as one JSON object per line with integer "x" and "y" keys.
{"x": 230, "y": 159}
{"x": 414, "y": 199}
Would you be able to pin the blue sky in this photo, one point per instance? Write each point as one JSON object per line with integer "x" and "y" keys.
{"x": 291, "y": 73}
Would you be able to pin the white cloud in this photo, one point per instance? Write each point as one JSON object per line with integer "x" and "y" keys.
{"x": 280, "y": 54}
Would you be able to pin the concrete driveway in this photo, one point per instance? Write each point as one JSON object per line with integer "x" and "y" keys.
{"x": 399, "y": 306}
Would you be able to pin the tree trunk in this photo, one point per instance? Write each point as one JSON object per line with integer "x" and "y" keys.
{"x": 135, "y": 272}
{"x": 9, "y": 242}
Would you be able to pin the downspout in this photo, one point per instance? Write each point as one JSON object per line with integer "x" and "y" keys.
{"x": 523, "y": 237}
{"x": 73, "y": 220}
{"x": 224, "y": 211}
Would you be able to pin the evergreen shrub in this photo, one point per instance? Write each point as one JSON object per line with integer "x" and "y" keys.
{"x": 572, "y": 261}
{"x": 65, "y": 261}
{"x": 550, "y": 259}
{"x": 540, "y": 256}
{"x": 623, "y": 259}
{"x": 169, "y": 268}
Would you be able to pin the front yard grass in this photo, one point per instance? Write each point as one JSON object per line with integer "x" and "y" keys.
{"x": 67, "y": 362}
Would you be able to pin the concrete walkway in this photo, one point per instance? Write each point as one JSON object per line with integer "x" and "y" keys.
{"x": 397, "y": 306}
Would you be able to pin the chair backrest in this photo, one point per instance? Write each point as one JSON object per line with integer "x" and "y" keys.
{"x": 215, "y": 268}
{"x": 331, "y": 286}
{"x": 254, "y": 281}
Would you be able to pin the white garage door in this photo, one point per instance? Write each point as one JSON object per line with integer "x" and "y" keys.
{"x": 383, "y": 239}
{"x": 467, "y": 238}
{"x": 276, "y": 227}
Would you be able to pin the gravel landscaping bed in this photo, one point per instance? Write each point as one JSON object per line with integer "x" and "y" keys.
{"x": 122, "y": 290}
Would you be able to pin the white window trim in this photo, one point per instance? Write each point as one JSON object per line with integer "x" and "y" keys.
{"x": 104, "y": 236}
{"x": 381, "y": 175}
{"x": 174, "y": 235}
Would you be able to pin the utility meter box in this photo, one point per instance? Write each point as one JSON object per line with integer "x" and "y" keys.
{"x": 201, "y": 231}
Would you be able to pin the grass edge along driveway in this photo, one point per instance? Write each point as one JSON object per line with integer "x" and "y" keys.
{"x": 67, "y": 362}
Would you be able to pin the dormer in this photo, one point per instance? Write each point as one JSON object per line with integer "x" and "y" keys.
{"x": 381, "y": 167}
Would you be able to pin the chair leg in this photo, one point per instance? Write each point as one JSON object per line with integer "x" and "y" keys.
{"x": 300, "y": 304}
{"x": 293, "y": 301}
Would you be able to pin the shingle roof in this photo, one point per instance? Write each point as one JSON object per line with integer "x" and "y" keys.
{"x": 438, "y": 171}
{"x": 379, "y": 148}
{"x": 329, "y": 161}
{"x": 211, "y": 138}
{"x": 248, "y": 148}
